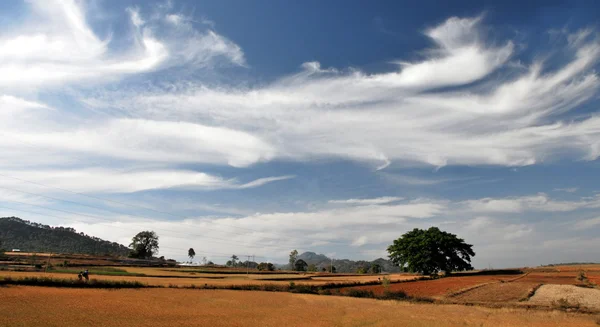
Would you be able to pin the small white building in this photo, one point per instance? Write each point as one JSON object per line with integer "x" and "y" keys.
{"x": 16, "y": 250}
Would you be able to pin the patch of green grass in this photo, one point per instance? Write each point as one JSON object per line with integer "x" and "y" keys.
{"x": 105, "y": 271}
{"x": 72, "y": 283}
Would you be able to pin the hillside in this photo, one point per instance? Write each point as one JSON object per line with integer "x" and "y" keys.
{"x": 345, "y": 265}
{"x": 16, "y": 233}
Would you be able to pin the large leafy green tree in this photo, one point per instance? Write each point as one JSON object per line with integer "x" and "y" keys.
{"x": 191, "y": 253}
{"x": 144, "y": 245}
{"x": 430, "y": 251}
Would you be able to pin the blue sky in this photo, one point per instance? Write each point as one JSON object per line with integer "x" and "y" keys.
{"x": 260, "y": 127}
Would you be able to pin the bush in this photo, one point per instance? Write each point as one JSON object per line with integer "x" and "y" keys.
{"x": 57, "y": 282}
{"x": 394, "y": 295}
{"x": 386, "y": 283}
{"x": 360, "y": 293}
{"x": 306, "y": 289}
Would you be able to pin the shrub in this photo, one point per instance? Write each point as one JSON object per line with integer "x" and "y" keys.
{"x": 307, "y": 289}
{"x": 386, "y": 283}
{"x": 360, "y": 293}
{"x": 394, "y": 295}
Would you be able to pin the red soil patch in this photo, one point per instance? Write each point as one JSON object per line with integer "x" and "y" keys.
{"x": 564, "y": 278}
{"x": 433, "y": 288}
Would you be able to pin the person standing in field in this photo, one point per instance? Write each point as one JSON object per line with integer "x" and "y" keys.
{"x": 86, "y": 275}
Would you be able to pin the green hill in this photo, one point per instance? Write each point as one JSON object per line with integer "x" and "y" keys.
{"x": 16, "y": 233}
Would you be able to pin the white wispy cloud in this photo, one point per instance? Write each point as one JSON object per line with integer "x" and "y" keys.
{"x": 539, "y": 202}
{"x": 587, "y": 223}
{"x": 381, "y": 200}
{"x": 97, "y": 180}
{"x": 402, "y": 116}
{"x": 568, "y": 189}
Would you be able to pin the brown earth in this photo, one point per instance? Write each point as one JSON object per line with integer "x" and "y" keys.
{"x": 497, "y": 292}
{"x": 29, "y": 306}
{"x": 436, "y": 287}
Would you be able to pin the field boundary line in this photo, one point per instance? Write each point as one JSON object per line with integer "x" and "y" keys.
{"x": 467, "y": 289}
{"x": 531, "y": 292}
{"x": 514, "y": 279}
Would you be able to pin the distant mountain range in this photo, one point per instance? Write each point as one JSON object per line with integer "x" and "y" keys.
{"x": 27, "y": 236}
{"x": 345, "y": 265}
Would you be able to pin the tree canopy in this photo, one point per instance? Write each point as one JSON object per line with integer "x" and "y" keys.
{"x": 300, "y": 265}
{"x": 29, "y": 236}
{"x": 191, "y": 253}
{"x": 293, "y": 257}
{"x": 430, "y": 251}
{"x": 144, "y": 245}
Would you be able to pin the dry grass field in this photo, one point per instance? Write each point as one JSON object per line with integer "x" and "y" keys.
{"x": 497, "y": 293}
{"x": 215, "y": 279}
{"x": 27, "y": 306}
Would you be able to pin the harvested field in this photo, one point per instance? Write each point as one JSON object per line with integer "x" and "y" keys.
{"x": 576, "y": 268}
{"x": 497, "y": 292}
{"x": 201, "y": 280}
{"x": 435, "y": 288}
{"x": 565, "y": 278}
{"x": 25, "y": 306}
{"x": 551, "y": 294}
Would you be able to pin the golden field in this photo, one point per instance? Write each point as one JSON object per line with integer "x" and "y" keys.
{"x": 27, "y": 306}
{"x": 215, "y": 279}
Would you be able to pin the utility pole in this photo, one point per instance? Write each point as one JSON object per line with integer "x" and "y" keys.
{"x": 331, "y": 267}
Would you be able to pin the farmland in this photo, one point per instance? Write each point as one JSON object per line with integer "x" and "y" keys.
{"x": 211, "y": 295}
{"x": 435, "y": 288}
{"x": 176, "y": 307}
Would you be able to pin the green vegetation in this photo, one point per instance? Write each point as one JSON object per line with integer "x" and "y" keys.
{"x": 106, "y": 271}
{"x": 144, "y": 245}
{"x": 300, "y": 265}
{"x": 431, "y": 251}
{"x": 264, "y": 266}
{"x": 28, "y": 236}
{"x": 67, "y": 282}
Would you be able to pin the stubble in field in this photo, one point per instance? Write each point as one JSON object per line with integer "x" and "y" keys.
{"x": 27, "y": 306}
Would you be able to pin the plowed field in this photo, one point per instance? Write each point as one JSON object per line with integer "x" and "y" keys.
{"x": 497, "y": 292}
{"x": 566, "y": 278}
{"x": 437, "y": 287}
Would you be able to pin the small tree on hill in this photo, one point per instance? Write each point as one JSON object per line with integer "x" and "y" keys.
{"x": 430, "y": 251}
{"x": 234, "y": 259}
{"x": 312, "y": 267}
{"x": 144, "y": 245}
{"x": 191, "y": 254}
{"x": 293, "y": 257}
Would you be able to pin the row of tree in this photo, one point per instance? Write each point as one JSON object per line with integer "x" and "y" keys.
{"x": 426, "y": 251}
